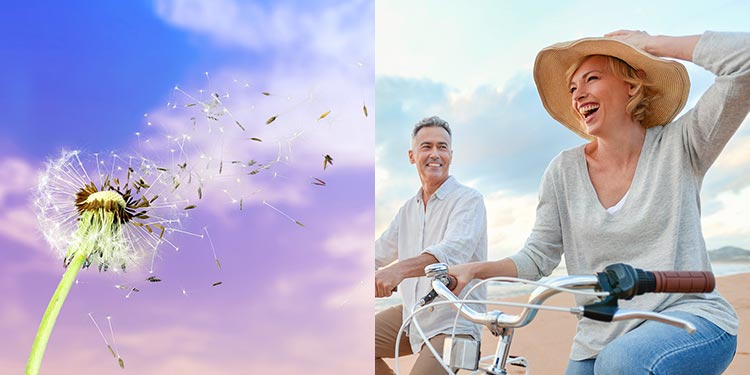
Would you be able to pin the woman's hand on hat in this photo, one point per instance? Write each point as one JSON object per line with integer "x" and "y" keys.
{"x": 679, "y": 47}
{"x": 636, "y": 38}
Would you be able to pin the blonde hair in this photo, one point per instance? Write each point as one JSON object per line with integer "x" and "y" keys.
{"x": 638, "y": 104}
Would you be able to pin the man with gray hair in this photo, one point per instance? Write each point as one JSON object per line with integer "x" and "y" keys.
{"x": 444, "y": 222}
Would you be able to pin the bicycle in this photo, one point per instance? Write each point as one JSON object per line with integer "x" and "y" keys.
{"x": 616, "y": 282}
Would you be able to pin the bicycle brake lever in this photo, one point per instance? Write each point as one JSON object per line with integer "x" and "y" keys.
{"x": 661, "y": 318}
{"x": 447, "y": 280}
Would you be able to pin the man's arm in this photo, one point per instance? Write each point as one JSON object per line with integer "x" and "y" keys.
{"x": 387, "y": 279}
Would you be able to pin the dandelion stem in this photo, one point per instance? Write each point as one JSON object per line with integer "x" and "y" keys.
{"x": 50, "y": 315}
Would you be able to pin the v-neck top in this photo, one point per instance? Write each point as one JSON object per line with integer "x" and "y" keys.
{"x": 658, "y": 226}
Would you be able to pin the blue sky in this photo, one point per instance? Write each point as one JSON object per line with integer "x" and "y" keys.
{"x": 101, "y": 76}
{"x": 472, "y": 65}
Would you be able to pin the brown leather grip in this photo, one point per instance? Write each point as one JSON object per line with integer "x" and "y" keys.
{"x": 684, "y": 281}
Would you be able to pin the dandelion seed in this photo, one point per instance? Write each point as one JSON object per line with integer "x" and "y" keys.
{"x": 153, "y": 279}
{"x": 327, "y": 159}
{"x": 271, "y": 119}
{"x": 240, "y": 125}
{"x": 266, "y": 93}
{"x": 114, "y": 344}
{"x": 283, "y": 214}
{"x": 364, "y": 109}
{"x": 324, "y": 115}
{"x": 213, "y": 249}
{"x": 190, "y": 207}
{"x": 256, "y": 139}
{"x": 131, "y": 292}
{"x": 217, "y": 283}
{"x": 102, "y": 335}
{"x": 318, "y": 182}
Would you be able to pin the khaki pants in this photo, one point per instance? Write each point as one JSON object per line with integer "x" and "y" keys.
{"x": 387, "y": 323}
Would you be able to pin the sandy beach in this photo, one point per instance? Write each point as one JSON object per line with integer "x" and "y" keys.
{"x": 546, "y": 341}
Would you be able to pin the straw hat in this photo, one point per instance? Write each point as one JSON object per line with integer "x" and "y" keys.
{"x": 669, "y": 79}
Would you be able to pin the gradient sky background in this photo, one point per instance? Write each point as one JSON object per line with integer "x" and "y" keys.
{"x": 473, "y": 67}
{"x": 90, "y": 75}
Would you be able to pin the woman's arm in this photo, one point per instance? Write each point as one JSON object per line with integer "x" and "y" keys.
{"x": 466, "y": 272}
{"x": 678, "y": 47}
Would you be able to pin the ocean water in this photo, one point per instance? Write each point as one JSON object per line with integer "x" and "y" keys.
{"x": 504, "y": 290}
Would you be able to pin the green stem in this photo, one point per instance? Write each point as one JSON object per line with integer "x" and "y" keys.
{"x": 50, "y": 316}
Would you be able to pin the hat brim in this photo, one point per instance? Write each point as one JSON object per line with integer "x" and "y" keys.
{"x": 669, "y": 79}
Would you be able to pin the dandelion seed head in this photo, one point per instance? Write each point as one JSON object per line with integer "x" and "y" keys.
{"x": 113, "y": 212}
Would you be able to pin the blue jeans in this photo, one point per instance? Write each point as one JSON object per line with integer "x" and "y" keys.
{"x": 657, "y": 348}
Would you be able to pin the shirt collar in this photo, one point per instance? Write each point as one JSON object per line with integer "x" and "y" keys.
{"x": 445, "y": 188}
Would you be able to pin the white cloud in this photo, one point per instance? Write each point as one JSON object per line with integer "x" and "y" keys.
{"x": 17, "y": 219}
{"x": 285, "y": 27}
{"x": 737, "y": 153}
{"x": 728, "y": 225}
{"x": 355, "y": 237}
{"x": 510, "y": 219}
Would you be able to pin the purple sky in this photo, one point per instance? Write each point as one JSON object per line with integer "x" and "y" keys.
{"x": 291, "y": 298}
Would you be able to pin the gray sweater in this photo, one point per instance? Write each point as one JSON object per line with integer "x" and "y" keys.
{"x": 658, "y": 227}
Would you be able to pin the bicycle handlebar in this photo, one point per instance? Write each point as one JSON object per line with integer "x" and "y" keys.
{"x": 625, "y": 282}
{"x": 621, "y": 281}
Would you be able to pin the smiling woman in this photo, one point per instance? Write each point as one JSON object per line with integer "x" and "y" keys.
{"x": 630, "y": 195}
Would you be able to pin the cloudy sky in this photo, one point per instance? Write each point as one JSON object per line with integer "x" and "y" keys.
{"x": 473, "y": 67}
{"x": 102, "y": 77}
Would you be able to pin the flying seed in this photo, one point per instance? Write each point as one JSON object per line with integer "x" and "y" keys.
{"x": 121, "y": 363}
{"x": 190, "y": 207}
{"x": 266, "y": 93}
{"x": 318, "y": 182}
{"x": 153, "y": 279}
{"x": 364, "y": 109}
{"x": 200, "y": 193}
{"x": 240, "y": 125}
{"x": 270, "y": 120}
{"x": 327, "y": 159}
{"x": 162, "y": 169}
{"x": 190, "y": 105}
{"x": 256, "y": 139}
{"x": 324, "y": 115}
{"x": 217, "y": 283}
{"x": 221, "y": 166}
